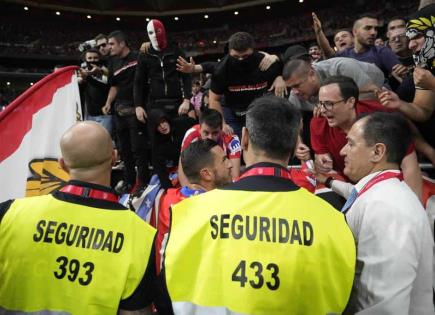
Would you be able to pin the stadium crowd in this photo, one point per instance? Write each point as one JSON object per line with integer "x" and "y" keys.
{"x": 39, "y": 37}
{"x": 204, "y": 150}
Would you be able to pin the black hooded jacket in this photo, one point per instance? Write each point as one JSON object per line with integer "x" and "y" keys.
{"x": 157, "y": 76}
{"x": 165, "y": 149}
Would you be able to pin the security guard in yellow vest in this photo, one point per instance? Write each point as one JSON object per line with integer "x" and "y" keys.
{"x": 77, "y": 251}
{"x": 261, "y": 245}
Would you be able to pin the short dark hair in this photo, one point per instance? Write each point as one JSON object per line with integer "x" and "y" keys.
{"x": 197, "y": 156}
{"x": 346, "y": 85}
{"x": 92, "y": 50}
{"x": 363, "y": 16}
{"x": 212, "y": 118}
{"x": 100, "y": 36}
{"x": 273, "y": 126}
{"x": 343, "y": 30}
{"x": 241, "y": 41}
{"x": 391, "y": 129}
{"x": 395, "y": 18}
{"x": 314, "y": 44}
{"x": 295, "y": 65}
{"x": 120, "y": 36}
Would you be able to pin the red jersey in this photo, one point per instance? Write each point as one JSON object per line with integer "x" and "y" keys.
{"x": 229, "y": 143}
{"x": 326, "y": 139}
{"x": 161, "y": 217}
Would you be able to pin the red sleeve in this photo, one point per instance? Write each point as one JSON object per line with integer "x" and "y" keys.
{"x": 411, "y": 148}
{"x": 233, "y": 148}
{"x": 317, "y": 131}
{"x": 191, "y": 135}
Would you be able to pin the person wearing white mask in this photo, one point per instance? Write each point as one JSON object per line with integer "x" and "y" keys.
{"x": 157, "y": 83}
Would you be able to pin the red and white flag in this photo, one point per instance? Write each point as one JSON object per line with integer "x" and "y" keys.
{"x": 30, "y": 130}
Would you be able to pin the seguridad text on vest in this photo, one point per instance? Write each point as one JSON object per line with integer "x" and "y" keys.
{"x": 78, "y": 236}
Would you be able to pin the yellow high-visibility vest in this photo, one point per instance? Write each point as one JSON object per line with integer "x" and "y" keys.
{"x": 244, "y": 252}
{"x": 69, "y": 258}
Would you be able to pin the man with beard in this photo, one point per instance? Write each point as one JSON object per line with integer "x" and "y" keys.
{"x": 260, "y": 245}
{"x": 96, "y": 88}
{"x": 239, "y": 79}
{"x": 131, "y": 132}
{"x": 206, "y": 167}
{"x": 365, "y": 31}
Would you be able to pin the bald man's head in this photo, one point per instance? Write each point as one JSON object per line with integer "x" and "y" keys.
{"x": 86, "y": 146}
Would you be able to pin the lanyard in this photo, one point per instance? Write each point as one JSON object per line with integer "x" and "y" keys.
{"x": 379, "y": 178}
{"x": 89, "y": 193}
{"x": 187, "y": 192}
{"x": 267, "y": 171}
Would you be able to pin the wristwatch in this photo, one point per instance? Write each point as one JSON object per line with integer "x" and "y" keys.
{"x": 328, "y": 182}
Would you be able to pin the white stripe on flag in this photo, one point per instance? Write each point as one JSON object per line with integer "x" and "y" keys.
{"x": 42, "y": 140}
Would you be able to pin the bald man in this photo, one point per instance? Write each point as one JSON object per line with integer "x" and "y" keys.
{"x": 76, "y": 251}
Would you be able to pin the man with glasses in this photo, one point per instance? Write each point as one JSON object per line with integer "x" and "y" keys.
{"x": 102, "y": 45}
{"x": 339, "y": 107}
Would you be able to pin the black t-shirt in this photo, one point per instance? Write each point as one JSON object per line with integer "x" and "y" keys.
{"x": 95, "y": 92}
{"x": 121, "y": 75}
{"x": 208, "y": 66}
{"x": 241, "y": 84}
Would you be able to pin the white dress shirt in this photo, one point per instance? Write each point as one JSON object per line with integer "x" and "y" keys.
{"x": 394, "y": 250}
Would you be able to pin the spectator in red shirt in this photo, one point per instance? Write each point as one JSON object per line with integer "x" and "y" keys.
{"x": 206, "y": 167}
{"x": 339, "y": 107}
{"x": 210, "y": 127}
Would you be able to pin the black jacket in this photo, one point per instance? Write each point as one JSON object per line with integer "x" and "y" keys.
{"x": 166, "y": 148}
{"x": 157, "y": 77}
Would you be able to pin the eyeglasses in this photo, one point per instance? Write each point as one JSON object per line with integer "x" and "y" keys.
{"x": 328, "y": 104}
{"x": 102, "y": 45}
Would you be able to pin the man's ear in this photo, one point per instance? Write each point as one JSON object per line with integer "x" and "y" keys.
{"x": 114, "y": 156}
{"x": 245, "y": 139}
{"x": 63, "y": 165}
{"x": 206, "y": 175}
{"x": 351, "y": 101}
{"x": 379, "y": 152}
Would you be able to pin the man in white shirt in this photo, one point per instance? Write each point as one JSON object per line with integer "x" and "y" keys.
{"x": 390, "y": 226}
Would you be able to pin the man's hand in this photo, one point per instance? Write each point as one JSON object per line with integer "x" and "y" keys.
{"x": 184, "y": 107}
{"x": 267, "y": 61}
{"x": 106, "y": 109}
{"x": 184, "y": 66}
{"x": 303, "y": 152}
{"x": 83, "y": 73}
{"x": 320, "y": 178}
{"x": 95, "y": 71}
{"x": 399, "y": 70}
{"x": 323, "y": 163}
{"x": 317, "y": 25}
{"x": 227, "y": 129}
{"x": 145, "y": 47}
{"x": 424, "y": 78}
{"x": 279, "y": 86}
{"x": 389, "y": 99}
{"x": 141, "y": 114}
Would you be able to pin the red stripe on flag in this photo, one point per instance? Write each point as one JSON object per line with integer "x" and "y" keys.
{"x": 16, "y": 119}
